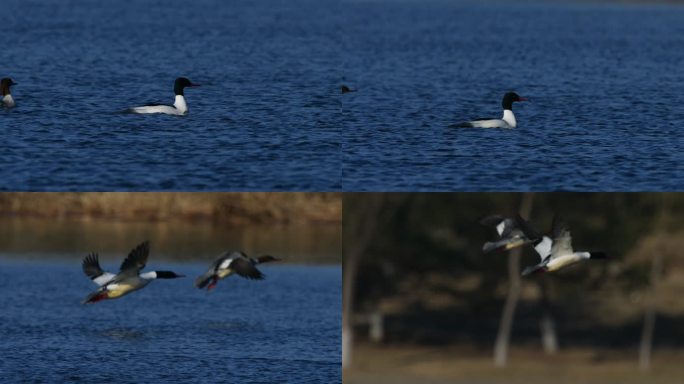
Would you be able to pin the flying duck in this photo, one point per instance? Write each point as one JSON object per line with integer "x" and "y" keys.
{"x": 7, "y": 99}
{"x": 510, "y": 234}
{"x": 508, "y": 119}
{"x": 229, "y": 263}
{"x": 179, "y": 107}
{"x": 129, "y": 278}
{"x": 556, "y": 253}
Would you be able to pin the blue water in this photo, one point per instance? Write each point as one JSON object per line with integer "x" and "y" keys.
{"x": 265, "y": 117}
{"x": 605, "y": 83}
{"x": 284, "y": 329}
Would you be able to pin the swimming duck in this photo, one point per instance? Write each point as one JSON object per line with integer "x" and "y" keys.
{"x": 7, "y": 99}
{"x": 557, "y": 253}
{"x": 179, "y": 107}
{"x": 229, "y": 263}
{"x": 506, "y": 121}
{"x": 129, "y": 278}
{"x": 510, "y": 234}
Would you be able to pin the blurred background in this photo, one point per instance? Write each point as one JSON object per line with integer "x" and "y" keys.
{"x": 423, "y": 304}
{"x": 284, "y": 328}
{"x": 301, "y": 227}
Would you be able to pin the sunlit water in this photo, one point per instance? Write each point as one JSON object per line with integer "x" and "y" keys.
{"x": 284, "y": 329}
{"x": 265, "y": 117}
{"x": 605, "y": 83}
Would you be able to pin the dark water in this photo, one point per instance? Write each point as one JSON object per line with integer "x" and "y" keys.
{"x": 605, "y": 83}
{"x": 284, "y": 329}
{"x": 264, "y": 118}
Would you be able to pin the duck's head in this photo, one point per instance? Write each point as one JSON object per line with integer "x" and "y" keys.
{"x": 5, "y": 85}
{"x": 509, "y": 98}
{"x": 181, "y": 83}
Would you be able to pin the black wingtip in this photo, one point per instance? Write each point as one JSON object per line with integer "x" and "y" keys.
{"x": 491, "y": 220}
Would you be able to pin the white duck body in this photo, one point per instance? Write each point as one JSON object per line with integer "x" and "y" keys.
{"x": 557, "y": 253}
{"x": 129, "y": 279}
{"x": 179, "y": 108}
{"x": 8, "y": 101}
{"x": 507, "y": 121}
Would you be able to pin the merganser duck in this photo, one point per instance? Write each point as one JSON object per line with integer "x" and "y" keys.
{"x": 229, "y": 263}
{"x": 7, "y": 99}
{"x": 129, "y": 278}
{"x": 510, "y": 234}
{"x": 179, "y": 107}
{"x": 346, "y": 89}
{"x": 557, "y": 253}
{"x": 508, "y": 119}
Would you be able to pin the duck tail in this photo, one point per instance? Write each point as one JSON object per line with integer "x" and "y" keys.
{"x": 95, "y": 297}
{"x": 204, "y": 279}
{"x": 502, "y": 245}
{"x": 533, "y": 270}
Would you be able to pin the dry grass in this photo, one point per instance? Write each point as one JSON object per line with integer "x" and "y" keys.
{"x": 230, "y": 208}
{"x": 432, "y": 365}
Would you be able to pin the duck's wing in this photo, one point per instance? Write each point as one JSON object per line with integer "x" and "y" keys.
{"x": 202, "y": 280}
{"x": 225, "y": 260}
{"x": 266, "y": 259}
{"x": 542, "y": 244}
{"x": 562, "y": 240}
{"x": 92, "y": 269}
{"x": 502, "y": 225}
{"x": 136, "y": 260}
{"x": 527, "y": 228}
{"x": 246, "y": 269}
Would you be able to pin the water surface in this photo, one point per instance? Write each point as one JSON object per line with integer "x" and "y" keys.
{"x": 284, "y": 329}
{"x": 605, "y": 84}
{"x": 263, "y": 119}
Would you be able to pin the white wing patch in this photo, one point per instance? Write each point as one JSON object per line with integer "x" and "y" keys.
{"x": 544, "y": 247}
{"x": 225, "y": 264}
{"x": 500, "y": 227}
{"x": 104, "y": 278}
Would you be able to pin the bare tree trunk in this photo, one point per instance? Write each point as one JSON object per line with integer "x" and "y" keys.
{"x": 547, "y": 325}
{"x": 349, "y": 276}
{"x": 506, "y": 324}
{"x": 646, "y": 347}
{"x": 358, "y": 233}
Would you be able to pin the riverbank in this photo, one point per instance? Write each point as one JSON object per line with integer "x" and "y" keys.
{"x": 223, "y": 208}
{"x": 405, "y": 364}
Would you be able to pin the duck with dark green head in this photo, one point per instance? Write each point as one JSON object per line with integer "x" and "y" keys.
{"x": 179, "y": 107}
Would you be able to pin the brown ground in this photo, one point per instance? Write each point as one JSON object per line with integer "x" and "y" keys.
{"x": 436, "y": 365}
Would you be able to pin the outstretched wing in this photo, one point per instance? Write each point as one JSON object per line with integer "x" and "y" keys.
{"x": 136, "y": 259}
{"x": 562, "y": 241}
{"x": 502, "y": 225}
{"x": 527, "y": 228}
{"x": 246, "y": 269}
{"x": 92, "y": 269}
